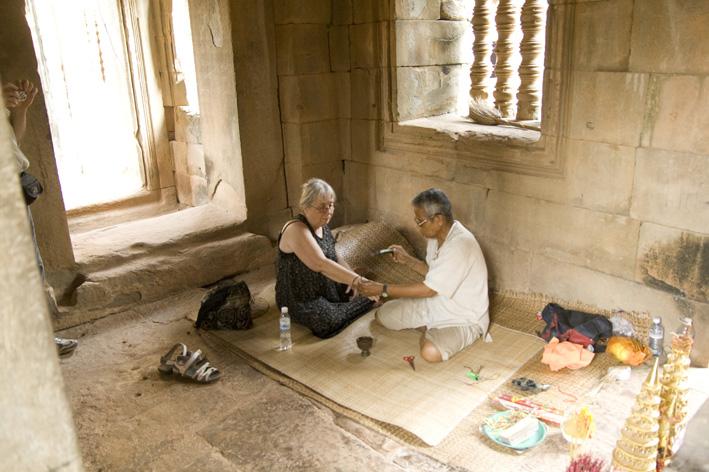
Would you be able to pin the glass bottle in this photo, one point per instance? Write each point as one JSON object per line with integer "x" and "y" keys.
{"x": 683, "y": 337}
{"x": 657, "y": 337}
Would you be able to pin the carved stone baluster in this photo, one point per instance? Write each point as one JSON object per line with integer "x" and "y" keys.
{"x": 529, "y": 97}
{"x": 507, "y": 20}
{"x": 482, "y": 47}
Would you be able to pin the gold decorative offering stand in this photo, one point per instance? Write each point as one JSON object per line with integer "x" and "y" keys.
{"x": 673, "y": 408}
{"x": 636, "y": 450}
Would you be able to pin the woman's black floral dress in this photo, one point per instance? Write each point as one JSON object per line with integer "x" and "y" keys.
{"x": 312, "y": 299}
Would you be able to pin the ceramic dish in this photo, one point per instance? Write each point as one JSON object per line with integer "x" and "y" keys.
{"x": 529, "y": 443}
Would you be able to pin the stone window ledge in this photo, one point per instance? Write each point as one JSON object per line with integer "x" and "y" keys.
{"x": 458, "y": 127}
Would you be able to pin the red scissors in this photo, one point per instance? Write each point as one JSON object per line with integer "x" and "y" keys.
{"x": 410, "y": 360}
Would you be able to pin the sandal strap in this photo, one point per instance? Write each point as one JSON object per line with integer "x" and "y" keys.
{"x": 205, "y": 372}
{"x": 167, "y": 357}
{"x": 195, "y": 357}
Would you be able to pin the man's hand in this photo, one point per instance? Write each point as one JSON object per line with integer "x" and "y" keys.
{"x": 19, "y": 95}
{"x": 26, "y": 92}
{"x": 400, "y": 255}
{"x": 10, "y": 95}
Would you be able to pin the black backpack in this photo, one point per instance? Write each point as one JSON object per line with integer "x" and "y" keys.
{"x": 576, "y": 327}
{"x": 226, "y": 306}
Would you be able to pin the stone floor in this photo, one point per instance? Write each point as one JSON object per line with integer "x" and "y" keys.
{"x": 130, "y": 418}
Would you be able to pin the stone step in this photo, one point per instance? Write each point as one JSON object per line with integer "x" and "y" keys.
{"x": 148, "y": 259}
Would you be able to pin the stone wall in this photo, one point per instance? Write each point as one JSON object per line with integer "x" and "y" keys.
{"x": 37, "y": 430}
{"x": 627, "y": 224}
{"x": 313, "y": 66}
{"x": 18, "y": 61}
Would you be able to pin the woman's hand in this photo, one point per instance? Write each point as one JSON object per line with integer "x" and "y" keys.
{"x": 369, "y": 288}
{"x": 353, "y": 288}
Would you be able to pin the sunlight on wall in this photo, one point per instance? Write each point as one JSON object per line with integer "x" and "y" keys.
{"x": 184, "y": 52}
{"x": 83, "y": 62}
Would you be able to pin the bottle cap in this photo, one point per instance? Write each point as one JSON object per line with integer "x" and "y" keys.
{"x": 284, "y": 309}
{"x": 657, "y": 319}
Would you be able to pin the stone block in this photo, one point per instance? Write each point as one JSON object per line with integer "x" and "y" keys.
{"x": 425, "y": 43}
{"x": 598, "y": 176}
{"x": 343, "y": 86}
{"x": 364, "y": 45}
{"x": 417, "y": 9}
{"x": 669, "y": 36}
{"x": 188, "y": 128}
{"x": 365, "y": 93}
{"x": 302, "y": 49}
{"x": 428, "y": 91}
{"x": 608, "y": 107}
{"x": 370, "y": 11}
{"x": 184, "y": 188}
{"x": 195, "y": 160}
{"x": 574, "y": 283}
{"x": 674, "y": 260}
{"x": 418, "y": 165}
{"x": 507, "y": 268}
{"x": 681, "y": 120}
{"x": 179, "y": 156}
{"x": 671, "y": 189}
{"x": 314, "y": 97}
{"x": 200, "y": 190}
{"x": 356, "y": 186}
{"x": 602, "y": 35}
{"x": 339, "y": 48}
{"x": 592, "y": 239}
{"x": 394, "y": 189}
{"x": 345, "y": 135}
{"x": 456, "y": 10}
{"x": 363, "y": 136}
{"x": 302, "y": 11}
{"x": 341, "y": 12}
{"x": 296, "y": 175}
{"x": 312, "y": 143}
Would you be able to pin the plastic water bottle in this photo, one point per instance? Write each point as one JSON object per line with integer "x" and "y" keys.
{"x": 284, "y": 324}
{"x": 657, "y": 336}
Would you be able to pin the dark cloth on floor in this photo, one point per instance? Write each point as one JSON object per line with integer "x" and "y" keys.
{"x": 314, "y": 300}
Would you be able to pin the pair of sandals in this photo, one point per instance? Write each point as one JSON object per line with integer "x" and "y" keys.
{"x": 179, "y": 361}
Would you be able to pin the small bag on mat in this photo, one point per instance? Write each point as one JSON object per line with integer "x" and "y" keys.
{"x": 576, "y": 327}
{"x": 226, "y": 306}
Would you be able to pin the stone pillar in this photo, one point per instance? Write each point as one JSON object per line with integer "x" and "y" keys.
{"x": 529, "y": 96}
{"x": 37, "y": 431}
{"x": 507, "y": 20}
{"x": 482, "y": 47}
{"x": 18, "y": 61}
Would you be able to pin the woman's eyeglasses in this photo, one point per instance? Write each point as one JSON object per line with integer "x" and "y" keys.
{"x": 324, "y": 208}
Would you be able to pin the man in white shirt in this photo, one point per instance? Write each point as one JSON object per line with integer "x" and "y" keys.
{"x": 451, "y": 304}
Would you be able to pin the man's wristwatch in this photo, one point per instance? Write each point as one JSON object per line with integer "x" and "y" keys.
{"x": 385, "y": 294}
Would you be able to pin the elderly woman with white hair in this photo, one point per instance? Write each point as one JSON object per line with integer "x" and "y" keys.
{"x": 311, "y": 282}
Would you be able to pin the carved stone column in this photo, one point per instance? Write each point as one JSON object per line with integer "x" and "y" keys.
{"x": 529, "y": 97}
{"x": 482, "y": 47}
{"x": 507, "y": 20}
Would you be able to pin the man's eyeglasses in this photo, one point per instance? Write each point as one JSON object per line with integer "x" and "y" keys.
{"x": 324, "y": 208}
{"x": 422, "y": 221}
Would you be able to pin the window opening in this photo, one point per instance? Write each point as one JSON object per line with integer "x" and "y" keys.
{"x": 85, "y": 70}
{"x": 508, "y": 49}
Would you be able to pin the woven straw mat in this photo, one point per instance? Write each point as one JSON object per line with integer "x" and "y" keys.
{"x": 465, "y": 446}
